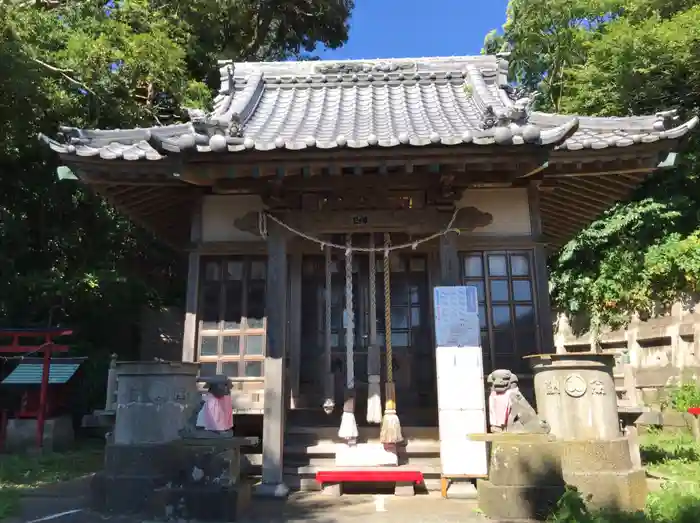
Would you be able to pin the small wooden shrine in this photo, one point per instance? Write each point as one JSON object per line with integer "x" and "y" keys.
{"x": 310, "y": 182}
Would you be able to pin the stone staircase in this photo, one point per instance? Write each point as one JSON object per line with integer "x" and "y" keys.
{"x": 624, "y": 381}
{"x": 309, "y": 449}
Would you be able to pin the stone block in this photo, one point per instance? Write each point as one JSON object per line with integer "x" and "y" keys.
{"x": 202, "y": 503}
{"x": 515, "y": 463}
{"x": 507, "y": 503}
{"x": 615, "y": 490}
{"x": 405, "y": 490}
{"x": 140, "y": 460}
{"x": 332, "y": 490}
{"x": 364, "y": 455}
{"x": 596, "y": 456}
{"x": 20, "y": 434}
{"x": 123, "y": 494}
{"x": 208, "y": 465}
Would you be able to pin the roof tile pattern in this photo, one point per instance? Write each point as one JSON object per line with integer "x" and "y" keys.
{"x": 357, "y": 104}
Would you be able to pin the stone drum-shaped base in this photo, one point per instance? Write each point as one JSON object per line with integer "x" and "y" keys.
{"x": 604, "y": 474}
{"x": 525, "y": 477}
{"x": 525, "y": 502}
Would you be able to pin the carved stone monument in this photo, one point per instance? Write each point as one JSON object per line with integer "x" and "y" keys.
{"x": 172, "y": 453}
{"x": 576, "y": 394}
{"x": 152, "y": 398}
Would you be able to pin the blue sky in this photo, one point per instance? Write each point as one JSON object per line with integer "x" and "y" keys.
{"x": 415, "y": 28}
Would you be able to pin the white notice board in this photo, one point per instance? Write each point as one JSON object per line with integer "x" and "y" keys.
{"x": 460, "y": 380}
{"x": 456, "y": 316}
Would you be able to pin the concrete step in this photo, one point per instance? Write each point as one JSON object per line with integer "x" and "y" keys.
{"x": 365, "y": 433}
{"x": 328, "y": 447}
{"x": 428, "y": 466}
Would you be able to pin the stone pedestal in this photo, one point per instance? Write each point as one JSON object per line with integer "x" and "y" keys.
{"x": 604, "y": 473}
{"x": 21, "y": 434}
{"x": 525, "y": 477}
{"x": 206, "y": 485}
{"x": 153, "y": 399}
{"x": 130, "y": 476}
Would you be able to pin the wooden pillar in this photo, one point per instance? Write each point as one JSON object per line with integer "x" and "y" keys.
{"x": 449, "y": 260}
{"x": 541, "y": 274}
{"x": 294, "y": 328}
{"x": 275, "y": 393}
{"x": 189, "y": 335}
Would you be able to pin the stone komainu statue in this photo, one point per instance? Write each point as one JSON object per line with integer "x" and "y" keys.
{"x": 213, "y": 416}
{"x": 509, "y": 411}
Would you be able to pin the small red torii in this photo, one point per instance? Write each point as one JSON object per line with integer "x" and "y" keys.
{"x": 47, "y": 347}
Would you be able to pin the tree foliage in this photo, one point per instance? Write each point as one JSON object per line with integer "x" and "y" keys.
{"x": 618, "y": 58}
{"x": 64, "y": 253}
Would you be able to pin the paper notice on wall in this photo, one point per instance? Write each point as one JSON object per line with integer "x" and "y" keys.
{"x": 456, "y": 316}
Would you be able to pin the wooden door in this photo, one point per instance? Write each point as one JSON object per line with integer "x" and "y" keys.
{"x": 313, "y": 367}
{"x": 413, "y": 354}
{"x": 411, "y": 335}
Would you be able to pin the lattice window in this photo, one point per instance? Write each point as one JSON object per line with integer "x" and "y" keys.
{"x": 408, "y": 299}
{"x": 506, "y": 306}
{"x": 232, "y": 322}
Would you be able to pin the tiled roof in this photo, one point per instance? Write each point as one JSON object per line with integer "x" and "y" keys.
{"x": 30, "y": 371}
{"x": 378, "y": 103}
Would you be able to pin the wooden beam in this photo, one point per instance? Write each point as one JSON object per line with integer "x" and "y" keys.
{"x": 109, "y": 182}
{"x": 295, "y": 308}
{"x": 598, "y": 172}
{"x": 552, "y": 225}
{"x": 600, "y": 187}
{"x": 275, "y": 393}
{"x": 166, "y": 239}
{"x": 189, "y": 337}
{"x": 410, "y": 221}
{"x": 573, "y": 201}
{"x": 164, "y": 205}
{"x": 394, "y": 181}
{"x": 541, "y": 275}
{"x": 581, "y": 193}
{"x": 141, "y": 196}
{"x": 449, "y": 261}
{"x": 564, "y": 218}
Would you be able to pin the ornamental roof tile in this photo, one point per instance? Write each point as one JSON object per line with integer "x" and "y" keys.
{"x": 376, "y": 103}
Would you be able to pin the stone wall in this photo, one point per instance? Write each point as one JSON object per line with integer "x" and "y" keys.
{"x": 651, "y": 352}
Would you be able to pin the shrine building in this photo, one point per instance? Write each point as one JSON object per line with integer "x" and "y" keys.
{"x": 306, "y": 169}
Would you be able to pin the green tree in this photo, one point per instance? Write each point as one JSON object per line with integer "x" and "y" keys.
{"x": 618, "y": 57}
{"x": 65, "y": 253}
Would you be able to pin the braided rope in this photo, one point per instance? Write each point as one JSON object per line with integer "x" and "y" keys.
{"x": 350, "y": 323}
{"x": 327, "y": 341}
{"x": 387, "y": 310}
{"x": 327, "y": 295}
{"x": 412, "y": 245}
{"x": 372, "y": 291}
